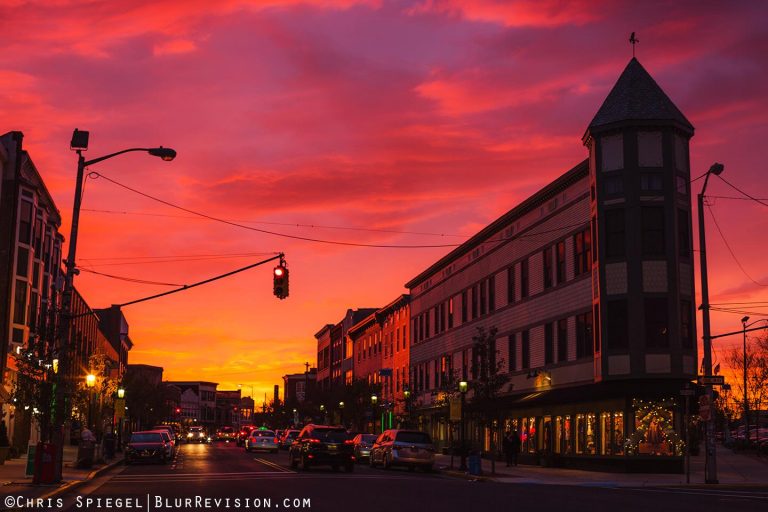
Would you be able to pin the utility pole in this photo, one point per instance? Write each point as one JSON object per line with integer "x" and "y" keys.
{"x": 710, "y": 454}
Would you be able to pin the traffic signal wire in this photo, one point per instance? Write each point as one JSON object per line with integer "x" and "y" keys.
{"x": 728, "y": 246}
{"x": 200, "y": 283}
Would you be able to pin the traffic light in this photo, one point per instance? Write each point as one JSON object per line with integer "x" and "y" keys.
{"x": 280, "y": 275}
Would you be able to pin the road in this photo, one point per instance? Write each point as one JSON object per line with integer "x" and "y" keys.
{"x": 257, "y": 481}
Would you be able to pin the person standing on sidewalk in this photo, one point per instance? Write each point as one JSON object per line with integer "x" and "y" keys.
{"x": 506, "y": 447}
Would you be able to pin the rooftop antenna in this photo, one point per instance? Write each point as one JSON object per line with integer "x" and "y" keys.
{"x": 634, "y": 41}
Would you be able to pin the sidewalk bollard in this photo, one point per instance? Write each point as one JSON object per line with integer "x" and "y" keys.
{"x": 474, "y": 464}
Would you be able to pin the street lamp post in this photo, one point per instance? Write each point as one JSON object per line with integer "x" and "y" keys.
{"x": 120, "y": 403}
{"x": 710, "y": 456}
{"x": 341, "y": 412}
{"x": 463, "y": 393}
{"x": 79, "y": 143}
{"x": 374, "y": 399}
{"x": 90, "y": 382}
{"x": 407, "y": 396}
{"x": 323, "y": 412}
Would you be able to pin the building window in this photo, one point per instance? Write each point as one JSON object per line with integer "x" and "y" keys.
{"x": 512, "y": 353}
{"x": 686, "y": 324}
{"x": 511, "y": 285}
{"x": 651, "y": 182}
{"x": 618, "y": 325}
{"x": 547, "y": 256}
{"x": 682, "y": 185}
{"x": 614, "y": 233}
{"x": 653, "y": 231}
{"x": 649, "y": 152}
{"x": 613, "y": 185}
{"x": 20, "y": 303}
{"x": 656, "y": 323}
{"x": 483, "y": 297}
{"x": 683, "y": 234}
{"x": 612, "y": 153}
{"x": 492, "y": 294}
{"x": 22, "y": 262}
{"x": 596, "y": 330}
{"x": 438, "y": 319}
{"x": 426, "y": 325}
{"x": 562, "y": 340}
{"x": 526, "y": 350}
{"x": 560, "y": 250}
{"x": 450, "y": 313}
{"x": 475, "y": 296}
{"x": 464, "y": 306}
{"x": 549, "y": 344}
{"x": 464, "y": 364}
{"x": 584, "y": 335}
{"x": 582, "y": 247}
{"x": 524, "y": 278}
{"x": 25, "y": 222}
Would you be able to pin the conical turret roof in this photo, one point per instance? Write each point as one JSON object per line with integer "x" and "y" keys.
{"x": 637, "y": 97}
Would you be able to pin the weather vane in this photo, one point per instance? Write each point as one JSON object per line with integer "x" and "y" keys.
{"x": 634, "y": 41}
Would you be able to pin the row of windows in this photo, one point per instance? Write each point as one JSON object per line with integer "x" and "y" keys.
{"x": 656, "y": 323}
{"x": 613, "y": 185}
{"x": 652, "y": 234}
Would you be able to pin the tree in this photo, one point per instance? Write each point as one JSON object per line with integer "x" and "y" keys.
{"x": 488, "y": 380}
{"x": 756, "y": 377}
{"x": 32, "y": 392}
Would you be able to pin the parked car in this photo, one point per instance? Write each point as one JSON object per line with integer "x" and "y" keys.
{"x": 226, "y": 434}
{"x": 409, "y": 448}
{"x": 288, "y": 437}
{"x": 362, "y": 444}
{"x": 322, "y": 445}
{"x": 262, "y": 440}
{"x": 146, "y": 446}
{"x": 197, "y": 435}
{"x": 171, "y": 432}
{"x": 243, "y": 434}
{"x": 170, "y": 444}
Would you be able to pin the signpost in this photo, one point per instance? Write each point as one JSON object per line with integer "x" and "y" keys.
{"x": 711, "y": 380}
{"x": 687, "y": 392}
{"x": 705, "y": 407}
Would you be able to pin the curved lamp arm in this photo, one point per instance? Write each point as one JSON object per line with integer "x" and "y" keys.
{"x": 166, "y": 154}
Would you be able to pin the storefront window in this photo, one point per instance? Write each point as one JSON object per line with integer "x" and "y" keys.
{"x": 533, "y": 435}
{"x": 618, "y": 433}
{"x": 567, "y": 433}
{"x": 591, "y": 435}
{"x": 605, "y": 433}
{"x": 558, "y": 434}
{"x": 524, "y": 436}
{"x": 581, "y": 428}
{"x": 654, "y": 429}
{"x": 547, "y": 434}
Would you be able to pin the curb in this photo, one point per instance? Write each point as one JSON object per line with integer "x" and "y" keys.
{"x": 466, "y": 476}
{"x": 74, "y": 484}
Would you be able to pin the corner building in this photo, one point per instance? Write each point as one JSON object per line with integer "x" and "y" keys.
{"x": 589, "y": 285}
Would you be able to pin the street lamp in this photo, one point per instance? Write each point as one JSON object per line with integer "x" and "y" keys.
{"x": 121, "y": 396}
{"x": 341, "y": 412}
{"x": 90, "y": 382}
{"x": 322, "y": 411}
{"x": 710, "y": 456}
{"x": 374, "y": 399}
{"x": 121, "y": 393}
{"x": 407, "y": 397}
{"x": 463, "y": 391}
{"x": 79, "y": 143}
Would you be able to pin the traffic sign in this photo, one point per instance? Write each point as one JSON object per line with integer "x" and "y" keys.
{"x": 713, "y": 380}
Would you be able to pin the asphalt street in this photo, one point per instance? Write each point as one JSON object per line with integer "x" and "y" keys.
{"x": 223, "y": 476}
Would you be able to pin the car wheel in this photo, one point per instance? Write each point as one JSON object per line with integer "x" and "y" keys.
{"x": 305, "y": 464}
{"x": 349, "y": 468}
{"x": 371, "y": 462}
{"x": 335, "y": 468}
{"x": 387, "y": 463}
{"x": 294, "y": 462}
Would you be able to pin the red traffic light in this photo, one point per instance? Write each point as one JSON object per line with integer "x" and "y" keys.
{"x": 280, "y": 281}
{"x": 279, "y": 271}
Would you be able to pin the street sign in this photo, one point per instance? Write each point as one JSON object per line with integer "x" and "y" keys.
{"x": 713, "y": 380}
{"x": 705, "y": 407}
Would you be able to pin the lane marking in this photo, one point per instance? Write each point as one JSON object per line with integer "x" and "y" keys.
{"x": 274, "y": 465}
{"x": 720, "y": 494}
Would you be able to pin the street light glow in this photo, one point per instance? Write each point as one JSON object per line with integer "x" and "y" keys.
{"x": 90, "y": 380}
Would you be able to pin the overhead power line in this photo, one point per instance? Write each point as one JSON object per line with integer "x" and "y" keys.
{"x": 728, "y": 246}
{"x": 737, "y": 189}
{"x": 129, "y": 279}
{"x": 96, "y": 175}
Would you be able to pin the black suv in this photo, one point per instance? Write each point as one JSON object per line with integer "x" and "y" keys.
{"x": 322, "y": 445}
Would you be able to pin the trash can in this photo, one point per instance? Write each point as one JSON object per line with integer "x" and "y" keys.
{"x": 474, "y": 464}
{"x": 85, "y": 454}
{"x": 46, "y": 455}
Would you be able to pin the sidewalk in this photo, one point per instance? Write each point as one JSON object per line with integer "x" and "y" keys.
{"x": 732, "y": 469}
{"x": 13, "y": 480}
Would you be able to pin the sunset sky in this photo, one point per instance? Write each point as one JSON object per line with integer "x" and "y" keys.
{"x": 395, "y": 123}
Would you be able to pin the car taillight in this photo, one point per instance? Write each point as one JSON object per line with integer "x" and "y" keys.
{"x": 314, "y": 440}
{"x": 277, "y": 440}
{"x": 349, "y": 441}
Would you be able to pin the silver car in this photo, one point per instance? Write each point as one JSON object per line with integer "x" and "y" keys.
{"x": 363, "y": 444}
{"x": 409, "y": 448}
{"x": 262, "y": 440}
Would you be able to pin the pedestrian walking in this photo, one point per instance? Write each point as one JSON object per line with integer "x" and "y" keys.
{"x": 506, "y": 447}
{"x": 514, "y": 444}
